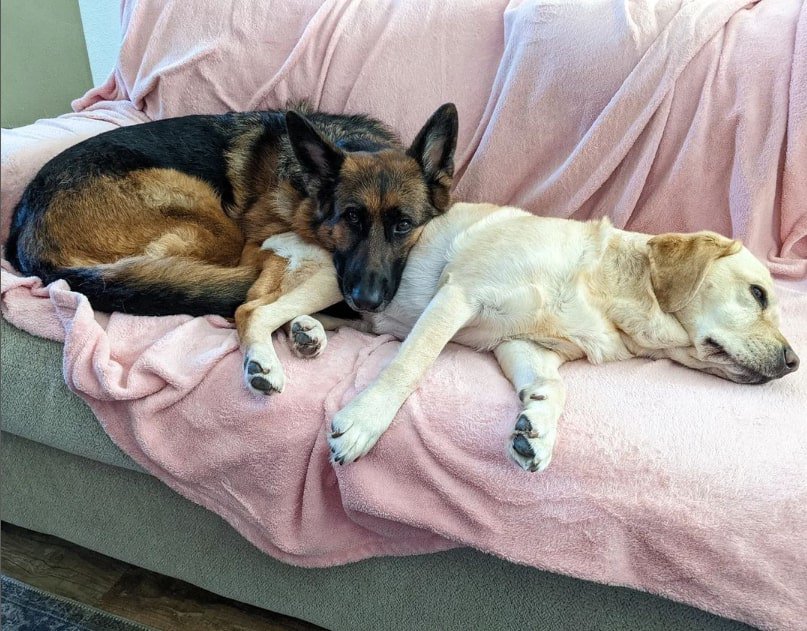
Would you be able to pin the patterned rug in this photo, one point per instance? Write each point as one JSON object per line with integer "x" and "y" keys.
{"x": 26, "y": 608}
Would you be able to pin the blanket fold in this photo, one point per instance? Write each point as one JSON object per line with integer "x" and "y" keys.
{"x": 666, "y": 116}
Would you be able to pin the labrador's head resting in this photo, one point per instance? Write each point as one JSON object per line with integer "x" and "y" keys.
{"x": 723, "y": 296}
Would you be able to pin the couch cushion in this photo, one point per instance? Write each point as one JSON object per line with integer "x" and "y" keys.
{"x": 37, "y": 405}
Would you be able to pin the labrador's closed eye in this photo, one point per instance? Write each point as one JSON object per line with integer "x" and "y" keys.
{"x": 760, "y": 295}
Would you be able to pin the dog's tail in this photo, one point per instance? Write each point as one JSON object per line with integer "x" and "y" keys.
{"x": 145, "y": 285}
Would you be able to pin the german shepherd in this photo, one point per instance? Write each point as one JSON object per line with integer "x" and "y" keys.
{"x": 168, "y": 217}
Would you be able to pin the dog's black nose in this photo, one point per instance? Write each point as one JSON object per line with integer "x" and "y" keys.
{"x": 367, "y": 298}
{"x": 791, "y": 360}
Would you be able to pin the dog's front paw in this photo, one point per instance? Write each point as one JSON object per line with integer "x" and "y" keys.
{"x": 533, "y": 440}
{"x": 263, "y": 373}
{"x": 307, "y": 337}
{"x": 354, "y": 431}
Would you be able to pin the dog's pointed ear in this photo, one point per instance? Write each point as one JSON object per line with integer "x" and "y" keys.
{"x": 433, "y": 148}
{"x": 679, "y": 263}
{"x": 319, "y": 160}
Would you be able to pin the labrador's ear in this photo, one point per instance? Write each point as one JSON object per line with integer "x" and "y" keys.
{"x": 679, "y": 263}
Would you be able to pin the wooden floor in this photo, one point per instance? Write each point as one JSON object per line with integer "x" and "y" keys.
{"x": 61, "y": 568}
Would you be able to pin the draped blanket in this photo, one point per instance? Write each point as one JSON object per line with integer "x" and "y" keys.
{"x": 663, "y": 115}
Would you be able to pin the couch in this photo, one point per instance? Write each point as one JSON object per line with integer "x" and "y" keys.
{"x": 63, "y": 476}
{"x": 540, "y": 127}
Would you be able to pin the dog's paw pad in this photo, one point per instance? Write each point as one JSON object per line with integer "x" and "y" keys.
{"x": 263, "y": 373}
{"x": 521, "y": 445}
{"x": 253, "y": 367}
{"x": 532, "y": 442}
{"x": 523, "y": 424}
{"x": 307, "y": 337}
{"x": 262, "y": 384}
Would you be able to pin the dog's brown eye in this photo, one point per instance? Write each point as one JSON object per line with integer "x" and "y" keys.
{"x": 760, "y": 296}
{"x": 351, "y": 215}
{"x": 403, "y": 226}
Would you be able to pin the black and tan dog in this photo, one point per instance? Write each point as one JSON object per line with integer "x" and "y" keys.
{"x": 168, "y": 217}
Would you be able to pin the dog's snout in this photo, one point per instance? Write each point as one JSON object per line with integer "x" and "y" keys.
{"x": 791, "y": 360}
{"x": 367, "y": 297}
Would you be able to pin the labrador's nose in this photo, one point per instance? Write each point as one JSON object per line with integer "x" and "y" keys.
{"x": 791, "y": 360}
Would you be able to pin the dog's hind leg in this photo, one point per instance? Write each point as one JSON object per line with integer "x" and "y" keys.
{"x": 357, "y": 427}
{"x": 533, "y": 371}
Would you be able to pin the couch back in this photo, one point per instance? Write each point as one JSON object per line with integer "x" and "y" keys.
{"x": 665, "y": 115}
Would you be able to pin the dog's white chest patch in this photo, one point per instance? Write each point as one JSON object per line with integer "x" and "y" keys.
{"x": 296, "y": 251}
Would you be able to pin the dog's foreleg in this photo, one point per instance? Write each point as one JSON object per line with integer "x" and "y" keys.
{"x": 257, "y": 321}
{"x": 357, "y": 427}
{"x": 533, "y": 371}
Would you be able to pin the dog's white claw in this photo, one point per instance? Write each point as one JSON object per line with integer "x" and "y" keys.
{"x": 263, "y": 373}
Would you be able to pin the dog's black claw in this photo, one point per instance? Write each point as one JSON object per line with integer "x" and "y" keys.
{"x": 260, "y": 383}
{"x": 523, "y": 424}
{"x": 253, "y": 367}
{"x": 522, "y": 447}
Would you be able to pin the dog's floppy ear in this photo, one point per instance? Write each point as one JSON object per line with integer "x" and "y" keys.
{"x": 679, "y": 262}
{"x": 433, "y": 148}
{"x": 319, "y": 160}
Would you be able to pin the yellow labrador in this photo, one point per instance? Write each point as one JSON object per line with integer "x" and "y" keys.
{"x": 539, "y": 292}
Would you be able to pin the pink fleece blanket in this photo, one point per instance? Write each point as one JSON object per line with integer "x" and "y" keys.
{"x": 665, "y": 116}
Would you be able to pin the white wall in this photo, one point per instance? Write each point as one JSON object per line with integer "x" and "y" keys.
{"x": 102, "y": 33}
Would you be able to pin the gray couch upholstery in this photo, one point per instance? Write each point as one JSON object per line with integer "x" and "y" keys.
{"x": 63, "y": 476}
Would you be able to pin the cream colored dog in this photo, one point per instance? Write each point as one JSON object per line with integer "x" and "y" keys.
{"x": 539, "y": 292}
